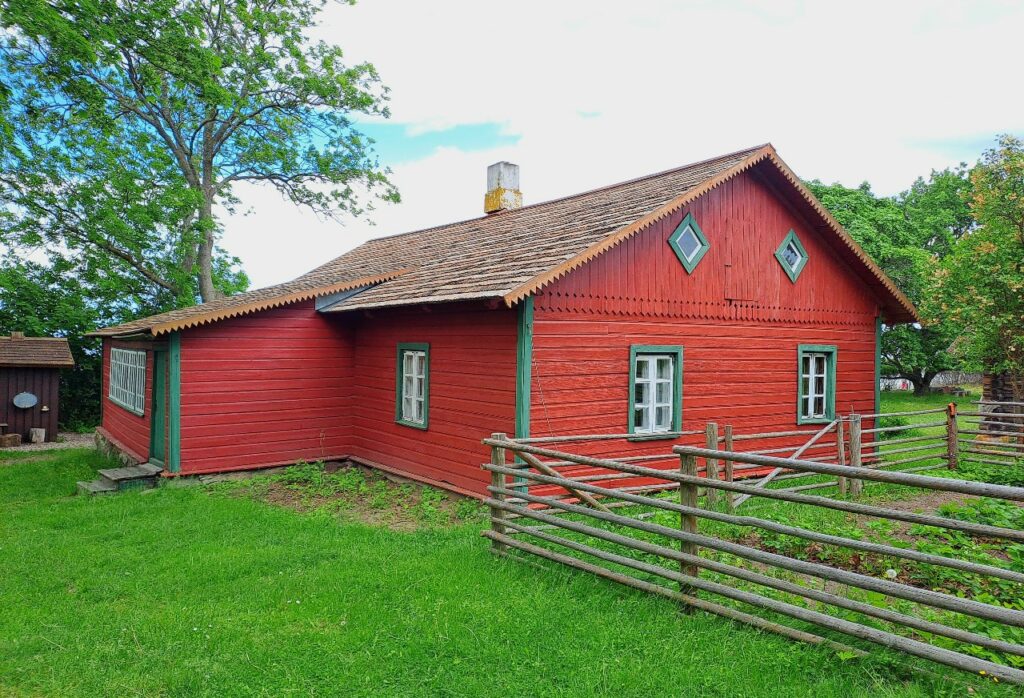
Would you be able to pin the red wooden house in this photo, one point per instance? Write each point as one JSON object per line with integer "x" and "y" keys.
{"x": 719, "y": 290}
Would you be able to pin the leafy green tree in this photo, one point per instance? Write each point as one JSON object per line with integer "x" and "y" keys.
{"x": 128, "y": 124}
{"x": 45, "y": 300}
{"x": 907, "y": 235}
{"x": 983, "y": 277}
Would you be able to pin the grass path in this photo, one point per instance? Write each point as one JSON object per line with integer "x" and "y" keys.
{"x": 184, "y": 591}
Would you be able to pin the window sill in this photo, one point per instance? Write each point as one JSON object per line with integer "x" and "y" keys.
{"x": 412, "y": 425}
{"x": 814, "y": 420}
{"x": 126, "y": 408}
{"x": 632, "y": 438}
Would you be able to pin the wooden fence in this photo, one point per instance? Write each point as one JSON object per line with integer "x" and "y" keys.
{"x": 601, "y": 515}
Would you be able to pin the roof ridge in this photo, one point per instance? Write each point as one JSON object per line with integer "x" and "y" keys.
{"x": 51, "y": 339}
{"x": 512, "y": 253}
{"x": 568, "y": 197}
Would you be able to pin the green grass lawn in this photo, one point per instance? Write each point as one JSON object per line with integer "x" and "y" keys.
{"x": 209, "y": 591}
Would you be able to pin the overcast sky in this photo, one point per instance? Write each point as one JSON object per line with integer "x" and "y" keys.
{"x": 584, "y": 93}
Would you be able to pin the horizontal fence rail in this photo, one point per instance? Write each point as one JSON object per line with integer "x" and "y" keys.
{"x": 607, "y": 515}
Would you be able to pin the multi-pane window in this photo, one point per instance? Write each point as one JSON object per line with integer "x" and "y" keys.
{"x": 656, "y": 381}
{"x": 817, "y": 383}
{"x": 128, "y": 379}
{"x": 413, "y": 384}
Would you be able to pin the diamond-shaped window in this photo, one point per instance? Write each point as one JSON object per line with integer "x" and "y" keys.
{"x": 689, "y": 243}
{"x": 792, "y": 256}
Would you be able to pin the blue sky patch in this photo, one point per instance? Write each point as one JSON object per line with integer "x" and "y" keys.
{"x": 395, "y": 144}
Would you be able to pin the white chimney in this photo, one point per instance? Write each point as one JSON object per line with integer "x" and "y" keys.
{"x": 502, "y": 188}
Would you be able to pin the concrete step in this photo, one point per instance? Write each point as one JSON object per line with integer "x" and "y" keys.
{"x": 95, "y": 487}
{"x": 131, "y": 472}
{"x": 141, "y": 476}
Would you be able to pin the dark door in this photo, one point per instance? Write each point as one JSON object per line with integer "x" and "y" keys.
{"x": 158, "y": 423}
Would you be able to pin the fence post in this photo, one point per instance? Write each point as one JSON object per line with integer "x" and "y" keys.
{"x": 498, "y": 480}
{"x": 841, "y": 455}
{"x": 711, "y": 464}
{"x": 730, "y": 501}
{"x": 952, "y": 436}
{"x": 687, "y": 522}
{"x": 856, "y": 485}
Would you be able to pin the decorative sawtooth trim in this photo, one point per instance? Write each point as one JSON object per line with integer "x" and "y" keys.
{"x": 564, "y": 305}
{"x": 157, "y": 329}
{"x": 765, "y": 153}
{"x": 269, "y": 303}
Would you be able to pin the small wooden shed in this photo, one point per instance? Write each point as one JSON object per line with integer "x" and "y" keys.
{"x": 29, "y": 383}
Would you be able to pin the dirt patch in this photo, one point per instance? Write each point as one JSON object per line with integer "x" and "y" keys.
{"x": 926, "y": 502}
{"x": 65, "y": 439}
{"x": 359, "y": 494}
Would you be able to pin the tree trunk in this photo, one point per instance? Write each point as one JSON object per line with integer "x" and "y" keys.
{"x": 207, "y": 291}
{"x": 922, "y": 384}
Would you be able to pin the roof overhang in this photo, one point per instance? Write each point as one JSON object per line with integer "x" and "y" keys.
{"x": 173, "y": 324}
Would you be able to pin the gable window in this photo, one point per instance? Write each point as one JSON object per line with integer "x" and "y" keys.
{"x": 792, "y": 256}
{"x": 127, "y": 380}
{"x": 689, "y": 243}
{"x": 413, "y": 385}
{"x": 816, "y": 394}
{"x": 656, "y": 388}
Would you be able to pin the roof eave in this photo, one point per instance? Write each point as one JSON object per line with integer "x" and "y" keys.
{"x": 173, "y": 325}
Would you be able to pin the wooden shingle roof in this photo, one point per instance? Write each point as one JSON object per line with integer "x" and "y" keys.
{"x": 35, "y": 352}
{"x": 511, "y": 254}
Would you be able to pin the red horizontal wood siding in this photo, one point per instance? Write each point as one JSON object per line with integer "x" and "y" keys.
{"x": 130, "y": 430}
{"x": 265, "y": 389}
{"x": 472, "y": 390}
{"x": 740, "y": 357}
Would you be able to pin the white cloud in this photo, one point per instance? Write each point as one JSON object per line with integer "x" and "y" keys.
{"x": 599, "y": 92}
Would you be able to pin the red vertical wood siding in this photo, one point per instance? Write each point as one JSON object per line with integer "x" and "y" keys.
{"x": 265, "y": 389}
{"x": 41, "y": 382}
{"x": 472, "y": 390}
{"x": 129, "y": 430}
{"x": 740, "y": 356}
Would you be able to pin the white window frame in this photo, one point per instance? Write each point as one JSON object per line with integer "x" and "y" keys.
{"x": 816, "y": 371}
{"x": 127, "y": 379}
{"x": 815, "y": 377}
{"x": 413, "y": 379}
{"x": 650, "y": 404}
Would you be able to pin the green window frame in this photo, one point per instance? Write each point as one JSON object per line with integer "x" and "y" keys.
{"x": 688, "y": 255}
{"x": 644, "y": 385}
{"x": 792, "y": 271}
{"x": 412, "y": 385}
{"x": 816, "y": 383}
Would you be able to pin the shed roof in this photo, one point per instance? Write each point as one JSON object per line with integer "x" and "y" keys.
{"x": 512, "y": 254}
{"x": 35, "y": 352}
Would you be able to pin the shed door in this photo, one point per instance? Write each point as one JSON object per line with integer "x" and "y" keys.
{"x": 743, "y": 261}
{"x": 158, "y": 423}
